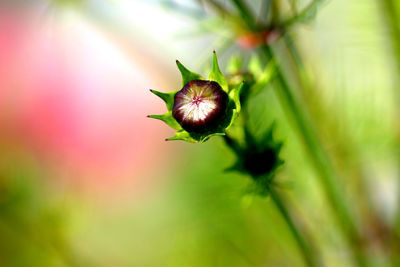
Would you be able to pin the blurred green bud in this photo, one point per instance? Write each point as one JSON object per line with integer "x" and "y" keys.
{"x": 258, "y": 158}
{"x": 203, "y": 107}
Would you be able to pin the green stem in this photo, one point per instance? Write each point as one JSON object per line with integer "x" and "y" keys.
{"x": 373, "y": 222}
{"x": 391, "y": 18}
{"x": 392, "y": 22}
{"x": 245, "y": 12}
{"x": 303, "y": 15}
{"x": 305, "y": 248}
{"x": 218, "y": 7}
{"x": 322, "y": 165}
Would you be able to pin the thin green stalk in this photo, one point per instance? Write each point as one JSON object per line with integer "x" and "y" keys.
{"x": 322, "y": 165}
{"x": 263, "y": 12}
{"x": 304, "y": 14}
{"x": 245, "y": 12}
{"x": 218, "y": 7}
{"x": 376, "y": 227}
{"x": 392, "y": 20}
{"x": 305, "y": 248}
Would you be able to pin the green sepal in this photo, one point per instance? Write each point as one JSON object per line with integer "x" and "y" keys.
{"x": 182, "y": 135}
{"x": 187, "y": 75}
{"x": 265, "y": 76}
{"x": 216, "y": 74}
{"x": 234, "y": 97}
{"x": 208, "y": 136}
{"x": 255, "y": 66}
{"x": 268, "y": 139}
{"x": 168, "y": 98}
{"x": 253, "y": 154}
{"x": 262, "y": 75}
{"x": 193, "y": 137}
{"x": 168, "y": 119}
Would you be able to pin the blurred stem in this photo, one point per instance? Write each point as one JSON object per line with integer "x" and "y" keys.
{"x": 318, "y": 156}
{"x": 392, "y": 21}
{"x": 219, "y": 8}
{"x": 264, "y": 11}
{"x": 245, "y": 12}
{"x": 375, "y": 227}
{"x": 305, "y": 248}
{"x": 293, "y": 6}
{"x": 275, "y": 15}
{"x": 390, "y": 16}
{"x": 321, "y": 163}
{"x": 311, "y": 8}
{"x": 307, "y": 251}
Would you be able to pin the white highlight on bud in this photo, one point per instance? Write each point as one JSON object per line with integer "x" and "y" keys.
{"x": 196, "y": 107}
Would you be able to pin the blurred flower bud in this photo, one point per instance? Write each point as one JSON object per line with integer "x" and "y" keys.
{"x": 257, "y": 158}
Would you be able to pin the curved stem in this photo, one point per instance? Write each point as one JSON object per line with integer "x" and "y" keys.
{"x": 305, "y": 248}
{"x": 322, "y": 165}
{"x": 311, "y": 8}
{"x": 375, "y": 227}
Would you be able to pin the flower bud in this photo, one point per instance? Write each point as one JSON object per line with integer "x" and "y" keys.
{"x": 259, "y": 162}
{"x": 203, "y": 107}
{"x": 257, "y": 157}
{"x": 200, "y": 106}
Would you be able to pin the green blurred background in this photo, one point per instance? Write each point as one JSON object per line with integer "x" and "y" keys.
{"x": 87, "y": 180}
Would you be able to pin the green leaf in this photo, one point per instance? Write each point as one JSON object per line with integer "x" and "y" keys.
{"x": 216, "y": 74}
{"x": 167, "y": 97}
{"x": 187, "y": 75}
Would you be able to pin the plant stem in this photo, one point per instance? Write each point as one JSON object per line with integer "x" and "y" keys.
{"x": 391, "y": 19}
{"x": 314, "y": 149}
{"x": 245, "y": 12}
{"x": 311, "y": 8}
{"x": 375, "y": 227}
{"x": 321, "y": 163}
{"x": 305, "y": 248}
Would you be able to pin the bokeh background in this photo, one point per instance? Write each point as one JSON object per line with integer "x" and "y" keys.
{"x": 87, "y": 180}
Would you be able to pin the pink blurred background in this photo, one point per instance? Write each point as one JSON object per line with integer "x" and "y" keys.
{"x": 75, "y": 98}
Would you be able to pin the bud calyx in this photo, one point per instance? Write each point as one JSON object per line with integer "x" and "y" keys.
{"x": 202, "y": 108}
